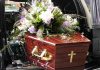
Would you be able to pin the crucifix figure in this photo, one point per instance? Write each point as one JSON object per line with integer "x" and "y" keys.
{"x": 71, "y": 56}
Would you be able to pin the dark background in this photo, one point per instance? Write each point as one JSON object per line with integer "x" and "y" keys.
{"x": 1, "y": 22}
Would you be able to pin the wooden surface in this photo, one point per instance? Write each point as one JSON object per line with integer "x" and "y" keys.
{"x": 67, "y": 53}
{"x": 56, "y": 40}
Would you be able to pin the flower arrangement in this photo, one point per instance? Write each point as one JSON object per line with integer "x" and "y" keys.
{"x": 43, "y": 18}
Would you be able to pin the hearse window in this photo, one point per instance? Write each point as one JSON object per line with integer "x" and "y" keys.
{"x": 95, "y": 9}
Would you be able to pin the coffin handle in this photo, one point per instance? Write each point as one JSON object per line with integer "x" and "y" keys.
{"x": 45, "y": 55}
{"x": 35, "y": 51}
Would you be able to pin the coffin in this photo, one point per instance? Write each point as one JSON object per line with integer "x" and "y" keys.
{"x": 55, "y": 53}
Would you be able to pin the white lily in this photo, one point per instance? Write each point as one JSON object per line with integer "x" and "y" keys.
{"x": 74, "y": 21}
{"x": 32, "y": 29}
{"x": 46, "y": 16}
{"x": 22, "y": 27}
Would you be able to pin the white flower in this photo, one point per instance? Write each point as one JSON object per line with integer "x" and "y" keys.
{"x": 56, "y": 8}
{"x": 38, "y": 9}
{"x": 69, "y": 18}
{"x": 29, "y": 16}
{"x": 32, "y": 29}
{"x": 32, "y": 10}
{"x": 46, "y": 16}
{"x": 22, "y": 27}
{"x": 24, "y": 12}
{"x": 40, "y": 33}
{"x": 46, "y": 2}
{"x": 35, "y": 9}
{"x": 49, "y": 1}
{"x": 50, "y": 7}
{"x": 24, "y": 24}
{"x": 33, "y": 2}
{"x": 43, "y": 4}
{"x": 74, "y": 21}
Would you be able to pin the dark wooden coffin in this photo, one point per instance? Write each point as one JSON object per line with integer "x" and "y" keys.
{"x": 55, "y": 53}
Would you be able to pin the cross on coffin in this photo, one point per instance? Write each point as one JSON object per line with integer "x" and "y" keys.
{"x": 71, "y": 56}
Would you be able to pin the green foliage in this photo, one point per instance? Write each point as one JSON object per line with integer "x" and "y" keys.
{"x": 43, "y": 18}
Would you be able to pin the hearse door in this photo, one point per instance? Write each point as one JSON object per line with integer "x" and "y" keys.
{"x": 95, "y": 9}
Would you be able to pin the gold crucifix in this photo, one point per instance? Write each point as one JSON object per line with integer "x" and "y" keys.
{"x": 71, "y": 56}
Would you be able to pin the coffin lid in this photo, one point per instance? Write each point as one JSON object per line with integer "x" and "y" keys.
{"x": 76, "y": 38}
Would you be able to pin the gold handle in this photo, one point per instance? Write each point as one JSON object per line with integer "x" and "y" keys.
{"x": 46, "y": 56}
{"x": 35, "y": 51}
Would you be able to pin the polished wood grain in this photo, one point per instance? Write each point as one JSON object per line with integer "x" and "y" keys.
{"x": 60, "y": 50}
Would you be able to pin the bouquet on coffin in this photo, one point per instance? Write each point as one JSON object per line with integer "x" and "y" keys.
{"x": 42, "y": 18}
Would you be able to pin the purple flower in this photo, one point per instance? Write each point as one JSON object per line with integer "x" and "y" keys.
{"x": 65, "y": 24}
{"x": 32, "y": 29}
{"x": 21, "y": 17}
